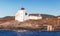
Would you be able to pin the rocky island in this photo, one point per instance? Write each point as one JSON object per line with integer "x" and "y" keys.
{"x": 41, "y": 22}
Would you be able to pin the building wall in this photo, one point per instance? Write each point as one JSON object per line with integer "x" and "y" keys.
{"x": 20, "y": 15}
{"x": 26, "y": 17}
{"x": 35, "y": 17}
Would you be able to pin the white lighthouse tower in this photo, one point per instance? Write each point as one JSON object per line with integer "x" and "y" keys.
{"x": 20, "y": 15}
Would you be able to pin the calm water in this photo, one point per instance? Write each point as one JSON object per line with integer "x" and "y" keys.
{"x": 28, "y": 33}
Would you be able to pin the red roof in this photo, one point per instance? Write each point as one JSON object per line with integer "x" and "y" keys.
{"x": 22, "y": 8}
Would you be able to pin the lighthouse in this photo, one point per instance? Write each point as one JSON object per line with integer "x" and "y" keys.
{"x": 20, "y": 15}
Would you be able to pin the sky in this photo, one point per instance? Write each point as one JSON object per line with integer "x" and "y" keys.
{"x": 10, "y": 7}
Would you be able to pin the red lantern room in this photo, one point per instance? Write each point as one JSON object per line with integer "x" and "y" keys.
{"x": 22, "y": 8}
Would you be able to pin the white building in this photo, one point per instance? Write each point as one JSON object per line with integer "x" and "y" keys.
{"x": 22, "y": 16}
{"x": 35, "y": 16}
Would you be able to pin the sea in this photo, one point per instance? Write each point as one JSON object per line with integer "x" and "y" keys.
{"x": 29, "y": 33}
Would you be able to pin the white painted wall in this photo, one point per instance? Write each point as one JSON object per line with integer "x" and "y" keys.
{"x": 35, "y": 17}
{"x": 26, "y": 17}
{"x": 20, "y": 15}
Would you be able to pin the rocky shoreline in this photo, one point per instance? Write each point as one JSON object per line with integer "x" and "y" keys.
{"x": 40, "y": 24}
